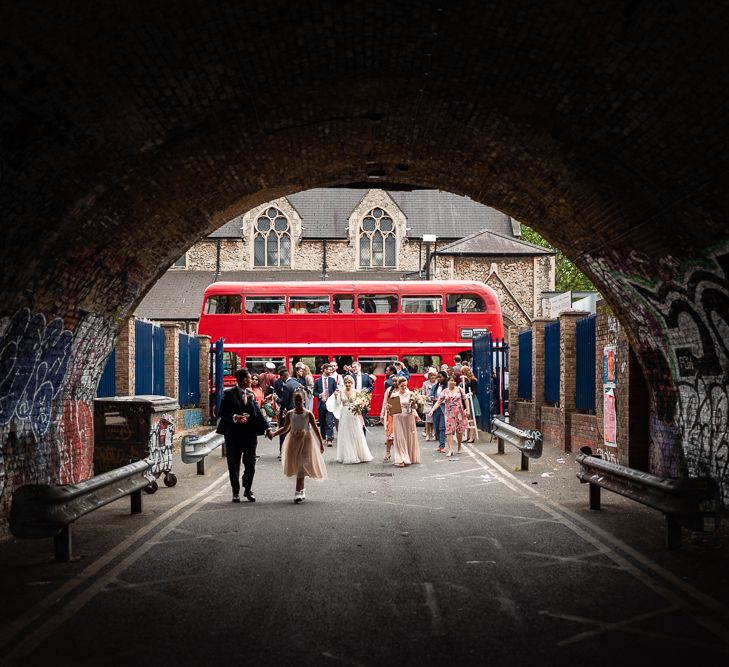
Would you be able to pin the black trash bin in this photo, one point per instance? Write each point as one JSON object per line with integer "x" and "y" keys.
{"x": 131, "y": 428}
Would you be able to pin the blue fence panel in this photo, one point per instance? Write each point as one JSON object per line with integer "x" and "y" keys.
{"x": 551, "y": 363}
{"x": 525, "y": 365}
{"x": 194, "y": 371}
{"x": 107, "y": 383}
{"x": 158, "y": 357}
{"x": 216, "y": 378}
{"x": 482, "y": 367}
{"x": 189, "y": 363}
{"x": 585, "y": 364}
{"x": 143, "y": 368}
{"x": 500, "y": 377}
{"x": 149, "y": 359}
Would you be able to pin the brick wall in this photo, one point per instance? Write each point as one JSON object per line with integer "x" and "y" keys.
{"x": 562, "y": 425}
{"x": 172, "y": 361}
{"x": 125, "y": 348}
{"x": 584, "y": 432}
{"x": 568, "y": 373}
{"x": 550, "y": 424}
{"x": 204, "y": 372}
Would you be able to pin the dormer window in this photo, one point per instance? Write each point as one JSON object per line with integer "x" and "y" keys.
{"x": 272, "y": 239}
{"x": 377, "y": 240}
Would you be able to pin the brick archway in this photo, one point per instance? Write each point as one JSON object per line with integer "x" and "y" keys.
{"x": 129, "y": 132}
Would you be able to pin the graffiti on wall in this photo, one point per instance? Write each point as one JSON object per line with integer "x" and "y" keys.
{"x": 684, "y": 347}
{"x": 33, "y": 361}
{"x": 48, "y": 376}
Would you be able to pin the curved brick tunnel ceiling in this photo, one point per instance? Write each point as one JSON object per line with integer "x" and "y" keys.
{"x": 130, "y": 130}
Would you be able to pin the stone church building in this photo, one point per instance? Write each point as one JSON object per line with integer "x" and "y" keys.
{"x": 361, "y": 234}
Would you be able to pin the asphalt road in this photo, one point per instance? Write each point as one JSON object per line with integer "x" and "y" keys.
{"x": 447, "y": 562}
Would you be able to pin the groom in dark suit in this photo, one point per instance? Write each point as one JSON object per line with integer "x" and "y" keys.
{"x": 241, "y": 422}
{"x": 324, "y": 387}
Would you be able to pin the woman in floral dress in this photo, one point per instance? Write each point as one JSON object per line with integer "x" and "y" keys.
{"x": 456, "y": 421}
{"x": 427, "y": 386}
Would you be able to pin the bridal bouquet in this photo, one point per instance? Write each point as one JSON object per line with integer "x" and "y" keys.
{"x": 360, "y": 402}
{"x": 417, "y": 400}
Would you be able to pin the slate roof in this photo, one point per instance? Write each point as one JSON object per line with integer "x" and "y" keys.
{"x": 324, "y": 212}
{"x": 489, "y": 243}
{"x": 178, "y": 294}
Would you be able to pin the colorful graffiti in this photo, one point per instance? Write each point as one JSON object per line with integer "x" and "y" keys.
{"x": 48, "y": 376}
{"x": 682, "y": 336}
{"x": 33, "y": 361}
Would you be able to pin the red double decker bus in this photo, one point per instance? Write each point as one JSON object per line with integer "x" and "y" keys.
{"x": 421, "y": 323}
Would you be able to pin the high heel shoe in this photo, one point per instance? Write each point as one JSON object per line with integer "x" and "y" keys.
{"x": 449, "y": 454}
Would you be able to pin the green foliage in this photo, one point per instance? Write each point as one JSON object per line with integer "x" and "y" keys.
{"x": 567, "y": 275}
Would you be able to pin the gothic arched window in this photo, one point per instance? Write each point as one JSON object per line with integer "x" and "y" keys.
{"x": 272, "y": 239}
{"x": 377, "y": 240}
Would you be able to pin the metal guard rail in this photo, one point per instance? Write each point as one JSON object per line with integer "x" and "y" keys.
{"x": 43, "y": 510}
{"x": 196, "y": 447}
{"x": 529, "y": 443}
{"x": 687, "y": 502}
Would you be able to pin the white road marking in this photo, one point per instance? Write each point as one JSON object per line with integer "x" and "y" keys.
{"x": 628, "y": 625}
{"x": 436, "y": 622}
{"x": 44, "y": 629}
{"x": 611, "y": 544}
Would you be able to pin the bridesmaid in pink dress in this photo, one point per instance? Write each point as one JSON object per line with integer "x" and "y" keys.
{"x": 406, "y": 445}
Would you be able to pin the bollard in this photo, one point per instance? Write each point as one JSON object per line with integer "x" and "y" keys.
{"x": 594, "y": 497}
{"x": 62, "y": 545}
{"x": 135, "y": 499}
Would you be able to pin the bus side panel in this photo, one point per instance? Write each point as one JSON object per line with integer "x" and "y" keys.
{"x": 377, "y": 328}
{"x": 308, "y": 329}
{"x": 414, "y": 328}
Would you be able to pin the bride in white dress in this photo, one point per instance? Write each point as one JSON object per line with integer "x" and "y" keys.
{"x": 351, "y": 443}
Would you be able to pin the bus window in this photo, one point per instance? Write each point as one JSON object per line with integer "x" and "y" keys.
{"x": 376, "y": 365}
{"x": 377, "y": 303}
{"x": 257, "y": 365}
{"x": 314, "y": 363}
{"x": 308, "y": 304}
{"x": 223, "y": 304}
{"x": 265, "y": 305}
{"x": 422, "y": 304}
{"x": 343, "y": 303}
{"x": 231, "y": 363}
{"x": 465, "y": 303}
{"x": 417, "y": 363}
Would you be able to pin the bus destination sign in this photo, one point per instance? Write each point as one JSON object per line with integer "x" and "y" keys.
{"x": 473, "y": 332}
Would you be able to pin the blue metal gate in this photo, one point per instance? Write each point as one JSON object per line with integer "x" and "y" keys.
{"x": 149, "y": 359}
{"x": 216, "y": 378}
{"x": 585, "y": 364}
{"x": 107, "y": 383}
{"x": 491, "y": 369}
{"x": 482, "y": 368}
{"x": 189, "y": 365}
{"x": 525, "y": 365}
{"x": 551, "y": 363}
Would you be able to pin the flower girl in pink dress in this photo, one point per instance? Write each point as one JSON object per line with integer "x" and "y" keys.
{"x": 300, "y": 456}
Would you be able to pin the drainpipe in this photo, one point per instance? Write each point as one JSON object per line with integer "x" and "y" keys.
{"x": 217, "y": 260}
{"x": 324, "y": 259}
